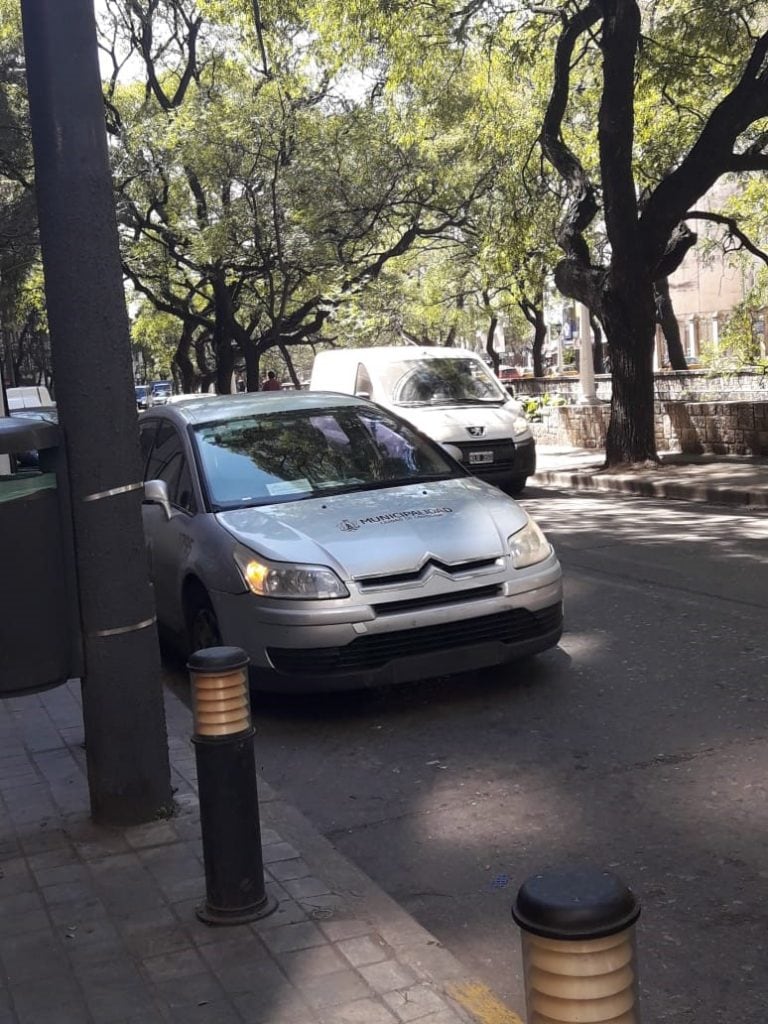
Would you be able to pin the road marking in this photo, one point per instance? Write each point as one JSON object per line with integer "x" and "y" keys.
{"x": 482, "y": 1004}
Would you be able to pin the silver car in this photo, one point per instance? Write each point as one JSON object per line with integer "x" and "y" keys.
{"x": 336, "y": 544}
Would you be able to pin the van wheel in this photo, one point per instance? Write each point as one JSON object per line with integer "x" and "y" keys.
{"x": 516, "y": 487}
{"x": 202, "y": 624}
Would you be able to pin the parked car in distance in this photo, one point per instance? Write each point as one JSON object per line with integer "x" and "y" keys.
{"x": 336, "y": 544}
{"x": 28, "y": 397}
{"x": 509, "y": 374}
{"x": 161, "y": 392}
{"x": 449, "y": 394}
{"x": 142, "y": 395}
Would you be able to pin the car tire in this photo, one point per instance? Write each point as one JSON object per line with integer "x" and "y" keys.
{"x": 514, "y": 488}
{"x": 202, "y": 625}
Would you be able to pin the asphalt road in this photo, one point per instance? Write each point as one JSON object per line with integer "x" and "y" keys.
{"x": 640, "y": 744}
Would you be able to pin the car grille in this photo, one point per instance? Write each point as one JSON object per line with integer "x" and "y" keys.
{"x": 458, "y": 569}
{"x": 375, "y": 650}
{"x": 503, "y": 454}
{"x": 437, "y": 600}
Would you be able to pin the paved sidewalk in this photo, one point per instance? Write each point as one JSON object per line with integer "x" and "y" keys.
{"x": 97, "y": 925}
{"x": 726, "y": 480}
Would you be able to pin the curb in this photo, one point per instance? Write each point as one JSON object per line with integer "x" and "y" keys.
{"x": 676, "y": 489}
{"x": 413, "y": 945}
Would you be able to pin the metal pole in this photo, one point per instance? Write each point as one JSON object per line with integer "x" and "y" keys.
{"x": 226, "y": 784}
{"x": 579, "y": 956}
{"x": 126, "y": 744}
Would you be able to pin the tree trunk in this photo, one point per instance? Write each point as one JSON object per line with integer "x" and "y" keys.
{"x": 251, "y": 356}
{"x": 183, "y": 362}
{"x": 489, "y": 346}
{"x": 539, "y": 337}
{"x": 629, "y": 320}
{"x": 665, "y": 314}
{"x": 225, "y": 360}
{"x": 289, "y": 364}
{"x": 534, "y": 314}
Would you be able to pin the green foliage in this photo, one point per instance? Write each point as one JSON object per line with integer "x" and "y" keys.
{"x": 742, "y": 341}
{"x": 535, "y": 405}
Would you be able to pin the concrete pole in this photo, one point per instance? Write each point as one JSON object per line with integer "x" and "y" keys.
{"x": 126, "y": 743}
{"x": 587, "y": 391}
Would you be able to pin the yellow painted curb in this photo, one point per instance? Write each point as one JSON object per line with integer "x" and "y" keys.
{"x": 478, "y": 1000}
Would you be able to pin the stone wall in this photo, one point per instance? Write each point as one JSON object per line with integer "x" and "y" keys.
{"x": 672, "y": 385}
{"x": 696, "y": 428}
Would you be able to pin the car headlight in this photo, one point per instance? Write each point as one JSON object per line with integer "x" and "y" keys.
{"x": 520, "y": 425}
{"x": 283, "y": 580}
{"x": 528, "y": 546}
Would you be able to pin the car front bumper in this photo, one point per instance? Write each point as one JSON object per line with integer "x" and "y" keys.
{"x": 511, "y": 462}
{"x": 357, "y": 646}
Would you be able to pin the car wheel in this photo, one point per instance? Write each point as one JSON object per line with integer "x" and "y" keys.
{"x": 202, "y": 624}
{"x": 514, "y": 488}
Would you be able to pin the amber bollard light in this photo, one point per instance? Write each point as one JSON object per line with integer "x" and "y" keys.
{"x": 579, "y": 954}
{"x": 226, "y": 782}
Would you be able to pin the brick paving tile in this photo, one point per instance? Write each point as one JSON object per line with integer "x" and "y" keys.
{"x": 279, "y": 851}
{"x": 75, "y": 913}
{"x": 284, "y": 870}
{"x": 32, "y": 955}
{"x": 365, "y": 949}
{"x": 181, "y": 964}
{"x": 305, "y": 888}
{"x": 289, "y": 937}
{"x": 283, "y": 1007}
{"x": 412, "y": 1003}
{"x": 334, "y": 989}
{"x": 189, "y": 991}
{"x": 441, "y": 1017}
{"x": 246, "y": 948}
{"x": 311, "y": 963}
{"x": 363, "y": 1011}
{"x": 345, "y": 929}
{"x": 256, "y": 976}
{"x": 218, "y": 1012}
{"x": 388, "y": 976}
{"x": 61, "y": 873}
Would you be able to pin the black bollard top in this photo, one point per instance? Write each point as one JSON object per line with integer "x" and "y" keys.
{"x": 217, "y": 659}
{"x": 575, "y": 903}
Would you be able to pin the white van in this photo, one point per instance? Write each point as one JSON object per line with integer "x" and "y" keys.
{"x": 449, "y": 394}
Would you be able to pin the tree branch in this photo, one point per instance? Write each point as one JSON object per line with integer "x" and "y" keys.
{"x": 734, "y": 231}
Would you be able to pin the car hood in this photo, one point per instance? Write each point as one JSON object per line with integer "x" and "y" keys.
{"x": 393, "y": 530}
{"x": 451, "y": 423}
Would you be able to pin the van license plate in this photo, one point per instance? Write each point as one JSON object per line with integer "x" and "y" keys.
{"x": 480, "y": 458}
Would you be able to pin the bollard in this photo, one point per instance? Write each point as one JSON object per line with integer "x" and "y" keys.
{"x": 579, "y": 955}
{"x": 226, "y": 782}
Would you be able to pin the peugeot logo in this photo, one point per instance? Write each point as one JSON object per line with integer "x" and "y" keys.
{"x": 476, "y": 431}
{"x": 348, "y": 525}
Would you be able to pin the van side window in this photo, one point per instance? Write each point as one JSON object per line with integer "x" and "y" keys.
{"x": 363, "y": 384}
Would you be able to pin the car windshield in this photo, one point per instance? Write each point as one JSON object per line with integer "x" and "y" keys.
{"x": 416, "y": 382}
{"x": 141, "y": 392}
{"x": 287, "y": 456}
{"x": 161, "y": 389}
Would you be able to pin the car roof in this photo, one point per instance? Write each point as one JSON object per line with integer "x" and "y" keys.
{"x": 395, "y": 353}
{"x": 214, "y": 409}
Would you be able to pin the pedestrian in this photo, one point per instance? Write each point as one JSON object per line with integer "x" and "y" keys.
{"x": 271, "y": 383}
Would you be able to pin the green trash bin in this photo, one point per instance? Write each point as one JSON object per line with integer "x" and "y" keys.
{"x": 39, "y": 620}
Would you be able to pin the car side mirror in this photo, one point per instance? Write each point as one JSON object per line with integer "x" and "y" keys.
{"x": 156, "y": 493}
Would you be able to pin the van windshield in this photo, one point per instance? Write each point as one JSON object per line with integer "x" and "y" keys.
{"x": 424, "y": 381}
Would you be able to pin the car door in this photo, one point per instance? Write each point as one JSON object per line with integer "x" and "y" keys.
{"x": 169, "y": 541}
